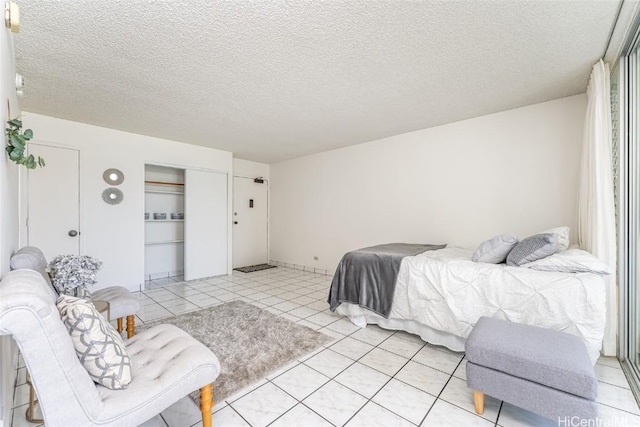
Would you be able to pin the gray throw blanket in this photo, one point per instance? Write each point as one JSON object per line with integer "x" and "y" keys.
{"x": 367, "y": 276}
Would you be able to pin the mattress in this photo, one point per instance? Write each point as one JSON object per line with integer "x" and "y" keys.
{"x": 443, "y": 292}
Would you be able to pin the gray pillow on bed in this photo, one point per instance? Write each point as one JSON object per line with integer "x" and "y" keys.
{"x": 533, "y": 248}
{"x": 496, "y": 249}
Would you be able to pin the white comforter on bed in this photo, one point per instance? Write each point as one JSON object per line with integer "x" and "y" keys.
{"x": 448, "y": 292}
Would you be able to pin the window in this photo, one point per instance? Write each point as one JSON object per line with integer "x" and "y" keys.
{"x": 625, "y": 82}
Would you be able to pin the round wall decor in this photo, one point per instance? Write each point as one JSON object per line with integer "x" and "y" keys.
{"x": 113, "y": 176}
{"x": 112, "y": 196}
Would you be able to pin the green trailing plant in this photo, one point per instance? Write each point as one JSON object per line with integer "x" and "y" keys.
{"x": 17, "y": 145}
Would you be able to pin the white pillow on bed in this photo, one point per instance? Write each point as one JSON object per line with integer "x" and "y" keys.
{"x": 570, "y": 261}
{"x": 562, "y": 236}
{"x": 496, "y": 249}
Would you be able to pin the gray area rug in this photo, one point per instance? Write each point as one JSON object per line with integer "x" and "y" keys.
{"x": 249, "y": 342}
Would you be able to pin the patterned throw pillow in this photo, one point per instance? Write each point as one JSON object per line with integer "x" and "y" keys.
{"x": 532, "y": 249}
{"x": 98, "y": 345}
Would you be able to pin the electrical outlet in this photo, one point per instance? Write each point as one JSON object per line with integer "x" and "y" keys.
{"x": 315, "y": 258}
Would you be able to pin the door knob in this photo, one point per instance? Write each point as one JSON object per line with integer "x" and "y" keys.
{"x": 73, "y": 233}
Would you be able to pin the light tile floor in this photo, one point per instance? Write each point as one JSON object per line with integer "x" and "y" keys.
{"x": 365, "y": 377}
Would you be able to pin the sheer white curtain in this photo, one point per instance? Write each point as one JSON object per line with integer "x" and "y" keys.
{"x": 596, "y": 210}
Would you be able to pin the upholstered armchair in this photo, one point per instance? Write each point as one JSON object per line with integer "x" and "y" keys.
{"x": 122, "y": 303}
{"x": 167, "y": 363}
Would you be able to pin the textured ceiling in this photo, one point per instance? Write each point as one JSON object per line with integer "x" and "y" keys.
{"x": 275, "y": 80}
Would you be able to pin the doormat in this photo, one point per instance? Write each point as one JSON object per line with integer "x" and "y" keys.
{"x": 252, "y": 268}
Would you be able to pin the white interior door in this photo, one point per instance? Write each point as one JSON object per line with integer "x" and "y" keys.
{"x": 250, "y": 222}
{"x": 205, "y": 224}
{"x": 53, "y": 222}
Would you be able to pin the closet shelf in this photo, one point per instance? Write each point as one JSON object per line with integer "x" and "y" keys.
{"x": 164, "y": 192}
{"x": 163, "y": 242}
{"x": 164, "y": 220}
{"x": 164, "y": 183}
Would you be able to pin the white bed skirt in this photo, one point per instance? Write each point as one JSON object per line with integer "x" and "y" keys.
{"x": 361, "y": 317}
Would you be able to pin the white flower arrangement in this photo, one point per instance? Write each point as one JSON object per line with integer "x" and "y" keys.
{"x": 71, "y": 274}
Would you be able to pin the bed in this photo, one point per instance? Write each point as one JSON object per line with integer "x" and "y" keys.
{"x": 440, "y": 294}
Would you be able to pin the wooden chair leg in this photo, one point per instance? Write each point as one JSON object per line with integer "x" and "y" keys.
{"x": 478, "y": 400}
{"x": 206, "y": 404}
{"x": 131, "y": 326}
{"x": 31, "y": 407}
{"x": 119, "y": 325}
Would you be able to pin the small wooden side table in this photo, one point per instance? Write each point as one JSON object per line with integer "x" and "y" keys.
{"x": 102, "y": 306}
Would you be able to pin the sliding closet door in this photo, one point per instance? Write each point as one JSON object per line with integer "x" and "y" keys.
{"x": 205, "y": 224}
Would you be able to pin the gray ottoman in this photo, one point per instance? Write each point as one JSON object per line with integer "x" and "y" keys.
{"x": 544, "y": 371}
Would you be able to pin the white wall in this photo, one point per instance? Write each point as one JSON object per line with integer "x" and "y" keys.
{"x": 9, "y": 190}
{"x": 461, "y": 183}
{"x": 247, "y": 168}
{"x": 115, "y": 234}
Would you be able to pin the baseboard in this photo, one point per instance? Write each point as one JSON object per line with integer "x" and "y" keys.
{"x": 300, "y": 267}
